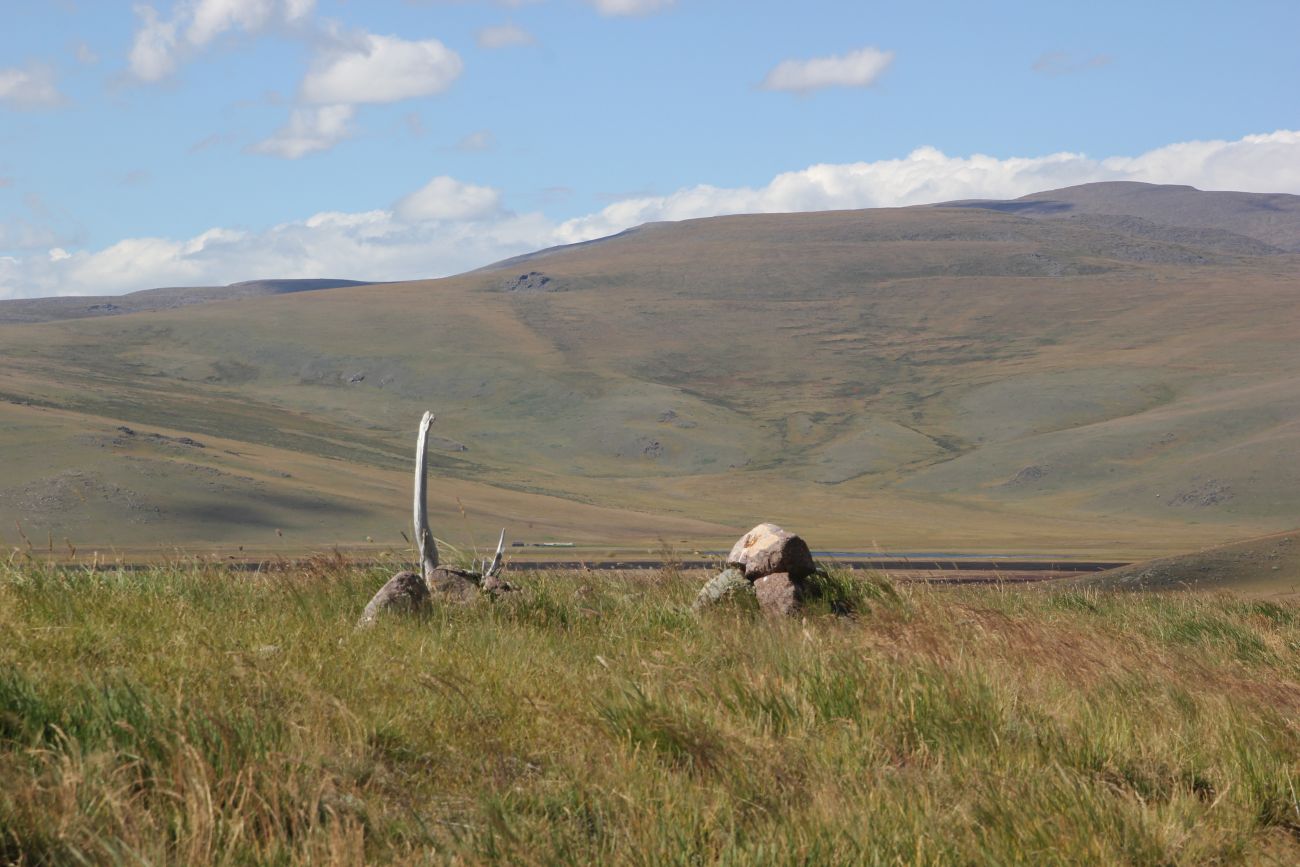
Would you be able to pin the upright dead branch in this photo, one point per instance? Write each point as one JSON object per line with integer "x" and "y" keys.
{"x": 424, "y": 539}
{"x": 488, "y": 569}
{"x": 411, "y": 593}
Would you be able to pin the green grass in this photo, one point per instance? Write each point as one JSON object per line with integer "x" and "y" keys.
{"x": 194, "y": 716}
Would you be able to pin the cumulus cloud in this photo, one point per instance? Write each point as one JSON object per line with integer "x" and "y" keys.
{"x": 32, "y": 87}
{"x": 445, "y": 198}
{"x": 356, "y": 69}
{"x": 376, "y": 245}
{"x": 859, "y": 68}
{"x": 348, "y": 69}
{"x": 381, "y": 69}
{"x": 630, "y": 7}
{"x": 310, "y": 129}
{"x": 504, "y": 36}
{"x": 1257, "y": 163}
{"x": 449, "y": 226}
{"x": 153, "y": 49}
{"x": 161, "y": 43}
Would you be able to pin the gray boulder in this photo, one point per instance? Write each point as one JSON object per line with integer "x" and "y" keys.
{"x": 778, "y": 594}
{"x": 404, "y": 593}
{"x": 768, "y": 549}
{"x": 725, "y": 585}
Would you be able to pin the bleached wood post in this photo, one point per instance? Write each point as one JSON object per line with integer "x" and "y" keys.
{"x": 409, "y": 592}
{"x": 420, "y": 508}
{"x": 424, "y": 539}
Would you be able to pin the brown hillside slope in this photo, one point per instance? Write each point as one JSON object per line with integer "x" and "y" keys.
{"x": 1211, "y": 218}
{"x": 88, "y": 306}
{"x": 1268, "y": 565}
{"x": 906, "y": 379}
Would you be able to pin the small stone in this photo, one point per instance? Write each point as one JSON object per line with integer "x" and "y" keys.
{"x": 767, "y": 549}
{"x": 724, "y": 585}
{"x": 404, "y": 593}
{"x": 494, "y": 586}
{"x": 778, "y": 594}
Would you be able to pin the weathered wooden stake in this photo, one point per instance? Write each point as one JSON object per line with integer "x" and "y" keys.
{"x": 424, "y": 539}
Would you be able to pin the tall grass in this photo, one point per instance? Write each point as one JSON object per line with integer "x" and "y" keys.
{"x": 194, "y": 716}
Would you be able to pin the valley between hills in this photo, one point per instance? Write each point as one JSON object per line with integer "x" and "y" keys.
{"x": 1096, "y": 377}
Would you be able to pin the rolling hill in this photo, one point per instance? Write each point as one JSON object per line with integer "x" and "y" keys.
{"x": 166, "y": 298}
{"x": 1268, "y": 566}
{"x": 1241, "y": 222}
{"x": 949, "y": 378}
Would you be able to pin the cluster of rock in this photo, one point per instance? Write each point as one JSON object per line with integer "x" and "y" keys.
{"x": 410, "y": 593}
{"x": 769, "y": 563}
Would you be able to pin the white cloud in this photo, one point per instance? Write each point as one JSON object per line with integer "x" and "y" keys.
{"x": 504, "y": 36}
{"x": 157, "y": 47}
{"x": 211, "y": 18}
{"x": 376, "y": 245}
{"x": 310, "y": 129}
{"x": 153, "y": 50}
{"x": 32, "y": 87}
{"x": 859, "y": 68}
{"x": 1268, "y": 163}
{"x": 361, "y": 68}
{"x": 1257, "y": 163}
{"x": 445, "y": 198}
{"x": 630, "y": 7}
{"x": 479, "y": 141}
{"x": 382, "y": 69}
{"x": 449, "y": 226}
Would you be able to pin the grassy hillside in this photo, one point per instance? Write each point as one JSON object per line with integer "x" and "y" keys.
{"x": 197, "y": 717}
{"x": 1244, "y": 222}
{"x": 955, "y": 379}
{"x": 166, "y": 298}
{"x": 1268, "y": 566}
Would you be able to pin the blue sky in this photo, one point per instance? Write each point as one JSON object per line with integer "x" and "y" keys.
{"x": 206, "y": 141}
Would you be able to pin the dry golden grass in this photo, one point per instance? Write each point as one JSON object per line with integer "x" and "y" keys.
{"x": 193, "y": 716}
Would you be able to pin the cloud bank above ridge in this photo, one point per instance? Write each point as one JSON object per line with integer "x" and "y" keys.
{"x": 447, "y": 226}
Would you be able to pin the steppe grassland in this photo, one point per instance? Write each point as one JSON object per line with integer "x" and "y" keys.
{"x": 878, "y": 376}
{"x": 191, "y": 715}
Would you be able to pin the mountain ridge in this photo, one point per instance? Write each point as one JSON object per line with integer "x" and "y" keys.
{"x": 167, "y": 297}
{"x": 1270, "y": 218}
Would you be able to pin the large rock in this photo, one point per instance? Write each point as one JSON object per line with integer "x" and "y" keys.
{"x": 767, "y": 549}
{"x": 725, "y": 585}
{"x": 778, "y": 594}
{"x": 404, "y": 593}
